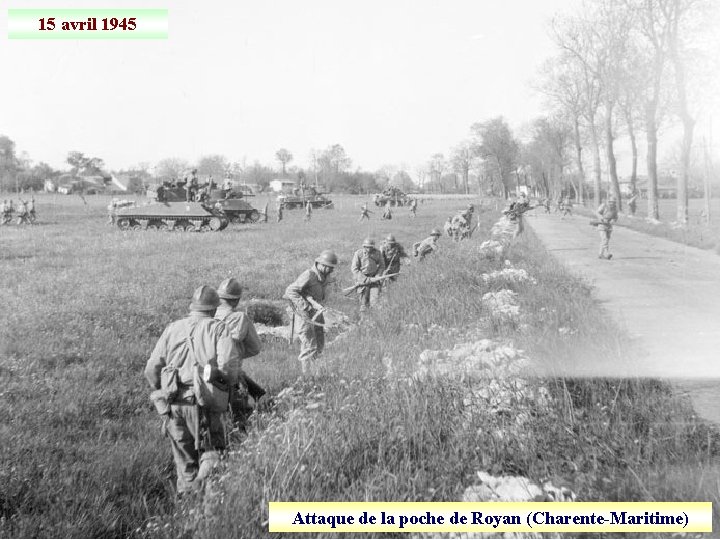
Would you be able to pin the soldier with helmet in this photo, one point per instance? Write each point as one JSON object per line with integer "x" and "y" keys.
{"x": 196, "y": 342}
{"x": 306, "y": 294}
{"x": 427, "y": 246}
{"x": 607, "y": 214}
{"x": 367, "y": 263}
{"x": 392, "y": 252}
{"x": 22, "y": 212}
{"x": 246, "y": 340}
{"x": 5, "y": 212}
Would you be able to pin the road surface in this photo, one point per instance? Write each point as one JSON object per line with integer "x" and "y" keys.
{"x": 664, "y": 294}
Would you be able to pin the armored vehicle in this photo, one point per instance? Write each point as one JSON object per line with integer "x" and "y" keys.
{"x": 170, "y": 212}
{"x": 233, "y": 206}
{"x": 299, "y": 198}
{"x": 392, "y": 195}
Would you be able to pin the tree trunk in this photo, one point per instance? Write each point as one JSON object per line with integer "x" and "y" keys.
{"x": 578, "y": 161}
{"x": 612, "y": 164}
{"x": 633, "y": 145}
{"x": 688, "y": 127}
{"x": 596, "y": 163}
{"x": 651, "y": 128}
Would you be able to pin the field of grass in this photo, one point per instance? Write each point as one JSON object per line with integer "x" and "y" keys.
{"x": 81, "y": 454}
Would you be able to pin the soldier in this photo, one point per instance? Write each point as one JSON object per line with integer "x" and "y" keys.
{"x": 191, "y": 186}
{"x": 515, "y": 213}
{"x": 427, "y": 246}
{"x": 546, "y": 204}
{"x": 447, "y": 227}
{"x": 364, "y": 212}
{"x": 22, "y": 213}
{"x": 607, "y": 214}
{"x": 279, "y": 212}
{"x": 111, "y": 212}
{"x": 459, "y": 227}
{"x": 387, "y": 213}
{"x": 5, "y": 213}
{"x": 367, "y": 263}
{"x": 305, "y": 294}
{"x": 308, "y": 211}
{"x": 247, "y": 343}
{"x": 413, "y": 207}
{"x": 468, "y": 215}
{"x": 31, "y": 209}
{"x": 196, "y": 433}
{"x": 392, "y": 252}
{"x": 566, "y": 207}
{"x": 227, "y": 186}
{"x": 632, "y": 203}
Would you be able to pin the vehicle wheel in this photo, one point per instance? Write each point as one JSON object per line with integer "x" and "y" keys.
{"x": 215, "y": 224}
{"x": 205, "y": 227}
{"x": 137, "y": 227}
{"x": 162, "y": 226}
{"x": 254, "y": 216}
{"x": 188, "y": 227}
{"x": 153, "y": 226}
{"x": 123, "y": 223}
{"x": 237, "y": 220}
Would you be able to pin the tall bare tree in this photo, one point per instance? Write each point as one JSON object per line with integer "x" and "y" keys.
{"x": 497, "y": 144}
{"x": 463, "y": 159}
{"x": 283, "y": 156}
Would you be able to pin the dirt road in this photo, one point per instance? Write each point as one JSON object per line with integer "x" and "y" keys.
{"x": 664, "y": 294}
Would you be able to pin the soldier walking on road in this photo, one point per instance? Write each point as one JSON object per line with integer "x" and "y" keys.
{"x": 427, "y": 246}
{"x": 193, "y": 347}
{"x": 607, "y": 214}
{"x": 367, "y": 263}
{"x": 247, "y": 343}
{"x": 632, "y": 204}
{"x": 306, "y": 294}
{"x": 392, "y": 252}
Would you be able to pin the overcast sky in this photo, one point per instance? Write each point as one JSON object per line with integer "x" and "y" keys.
{"x": 393, "y": 81}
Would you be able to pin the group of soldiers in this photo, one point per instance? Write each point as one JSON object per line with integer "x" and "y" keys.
{"x": 214, "y": 339}
{"x": 25, "y": 211}
{"x": 387, "y": 211}
{"x": 459, "y": 227}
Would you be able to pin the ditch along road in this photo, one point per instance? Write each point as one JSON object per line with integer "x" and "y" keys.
{"x": 665, "y": 295}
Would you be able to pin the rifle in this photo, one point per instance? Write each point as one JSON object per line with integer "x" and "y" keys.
{"x": 348, "y": 290}
{"x": 254, "y": 389}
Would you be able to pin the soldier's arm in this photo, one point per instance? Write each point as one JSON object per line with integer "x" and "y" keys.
{"x": 228, "y": 356}
{"x": 157, "y": 361}
{"x": 381, "y": 265}
{"x": 356, "y": 268}
{"x": 294, "y": 293}
{"x": 251, "y": 340}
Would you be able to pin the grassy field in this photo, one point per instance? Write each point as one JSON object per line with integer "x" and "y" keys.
{"x": 81, "y": 454}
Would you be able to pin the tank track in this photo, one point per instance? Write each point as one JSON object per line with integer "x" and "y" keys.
{"x": 172, "y": 223}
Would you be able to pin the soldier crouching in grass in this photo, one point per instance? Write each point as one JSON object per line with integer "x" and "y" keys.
{"x": 247, "y": 342}
{"x": 193, "y": 358}
{"x": 427, "y": 246}
{"x": 305, "y": 294}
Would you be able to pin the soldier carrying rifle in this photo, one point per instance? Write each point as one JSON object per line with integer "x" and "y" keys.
{"x": 305, "y": 295}
{"x": 367, "y": 264}
{"x": 248, "y": 344}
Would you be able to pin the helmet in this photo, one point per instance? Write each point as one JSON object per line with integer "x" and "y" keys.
{"x": 368, "y": 242}
{"x": 390, "y": 239}
{"x": 328, "y": 258}
{"x": 230, "y": 289}
{"x": 205, "y": 298}
{"x": 435, "y": 232}
{"x": 471, "y": 207}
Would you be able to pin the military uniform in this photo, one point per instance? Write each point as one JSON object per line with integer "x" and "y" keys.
{"x": 308, "y": 211}
{"x": 310, "y": 284}
{"x": 367, "y": 264}
{"x": 364, "y": 212}
{"x": 280, "y": 212}
{"x": 248, "y": 344}
{"x": 5, "y": 212}
{"x": 427, "y": 246}
{"x": 31, "y": 210}
{"x": 208, "y": 341}
{"x": 607, "y": 213}
{"x": 392, "y": 252}
{"x": 413, "y": 207}
{"x": 22, "y": 213}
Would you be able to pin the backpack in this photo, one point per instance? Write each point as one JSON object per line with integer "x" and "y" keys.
{"x": 213, "y": 395}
